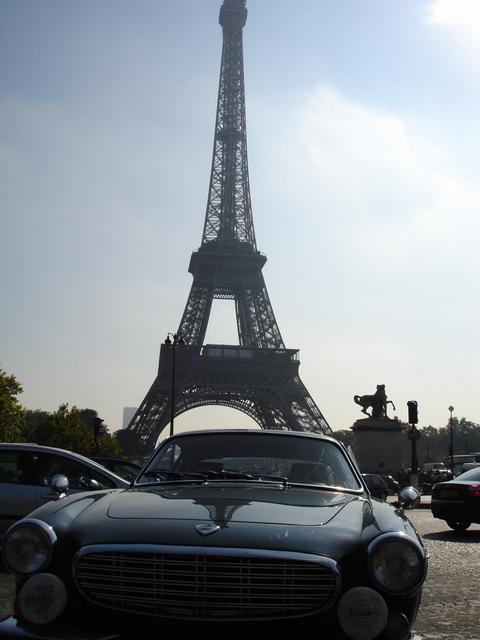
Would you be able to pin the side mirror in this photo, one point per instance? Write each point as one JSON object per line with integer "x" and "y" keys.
{"x": 59, "y": 486}
{"x": 88, "y": 483}
{"x": 408, "y": 498}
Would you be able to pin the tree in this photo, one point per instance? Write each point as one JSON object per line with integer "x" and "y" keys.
{"x": 11, "y": 411}
{"x": 62, "y": 428}
{"x": 70, "y": 429}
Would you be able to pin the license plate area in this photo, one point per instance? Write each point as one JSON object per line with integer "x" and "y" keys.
{"x": 449, "y": 493}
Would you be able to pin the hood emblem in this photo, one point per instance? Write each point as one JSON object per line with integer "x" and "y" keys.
{"x": 207, "y": 529}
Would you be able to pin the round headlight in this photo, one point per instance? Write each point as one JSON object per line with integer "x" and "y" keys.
{"x": 27, "y": 546}
{"x": 396, "y": 564}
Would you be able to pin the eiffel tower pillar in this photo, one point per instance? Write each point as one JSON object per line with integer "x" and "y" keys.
{"x": 258, "y": 376}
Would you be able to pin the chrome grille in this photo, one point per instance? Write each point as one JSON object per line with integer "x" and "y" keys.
{"x": 204, "y": 586}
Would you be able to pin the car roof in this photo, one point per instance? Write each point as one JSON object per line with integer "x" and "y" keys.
{"x": 116, "y": 460}
{"x": 31, "y": 446}
{"x": 260, "y": 432}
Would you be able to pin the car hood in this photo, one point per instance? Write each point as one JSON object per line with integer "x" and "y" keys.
{"x": 224, "y": 504}
{"x": 298, "y": 519}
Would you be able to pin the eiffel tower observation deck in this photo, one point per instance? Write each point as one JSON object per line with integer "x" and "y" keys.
{"x": 259, "y": 375}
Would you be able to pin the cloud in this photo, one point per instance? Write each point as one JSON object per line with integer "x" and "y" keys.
{"x": 375, "y": 175}
{"x": 385, "y": 233}
{"x": 463, "y": 15}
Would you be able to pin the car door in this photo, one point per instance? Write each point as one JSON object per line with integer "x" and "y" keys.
{"x": 79, "y": 476}
{"x": 18, "y": 481}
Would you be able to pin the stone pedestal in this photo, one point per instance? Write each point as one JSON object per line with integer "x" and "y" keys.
{"x": 377, "y": 445}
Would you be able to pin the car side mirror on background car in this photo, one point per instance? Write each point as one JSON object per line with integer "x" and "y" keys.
{"x": 59, "y": 486}
{"x": 408, "y": 498}
{"x": 88, "y": 483}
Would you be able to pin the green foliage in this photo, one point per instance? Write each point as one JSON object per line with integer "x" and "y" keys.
{"x": 434, "y": 443}
{"x": 11, "y": 411}
{"x": 67, "y": 429}
{"x": 62, "y": 428}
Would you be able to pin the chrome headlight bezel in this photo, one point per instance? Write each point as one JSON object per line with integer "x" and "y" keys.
{"x": 36, "y": 561}
{"x": 380, "y": 544}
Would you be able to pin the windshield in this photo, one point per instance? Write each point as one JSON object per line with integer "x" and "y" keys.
{"x": 251, "y": 456}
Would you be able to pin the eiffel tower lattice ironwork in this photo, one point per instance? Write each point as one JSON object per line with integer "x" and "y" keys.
{"x": 259, "y": 376}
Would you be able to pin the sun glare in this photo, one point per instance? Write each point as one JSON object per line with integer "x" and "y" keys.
{"x": 464, "y": 14}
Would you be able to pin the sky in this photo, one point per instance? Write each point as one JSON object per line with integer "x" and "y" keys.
{"x": 363, "y": 129}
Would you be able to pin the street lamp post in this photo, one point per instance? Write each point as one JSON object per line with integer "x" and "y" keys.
{"x": 427, "y": 442}
{"x": 175, "y": 340}
{"x": 450, "y": 450}
{"x": 413, "y": 436}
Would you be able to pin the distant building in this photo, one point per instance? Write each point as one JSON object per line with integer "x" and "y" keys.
{"x": 128, "y": 413}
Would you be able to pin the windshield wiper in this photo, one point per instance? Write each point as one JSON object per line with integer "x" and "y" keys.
{"x": 162, "y": 475}
{"x": 226, "y": 474}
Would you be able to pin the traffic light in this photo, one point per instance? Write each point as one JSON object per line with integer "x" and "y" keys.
{"x": 412, "y": 411}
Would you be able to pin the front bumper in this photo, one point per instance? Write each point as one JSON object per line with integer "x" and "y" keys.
{"x": 10, "y": 627}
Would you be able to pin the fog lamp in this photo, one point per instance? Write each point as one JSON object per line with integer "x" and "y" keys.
{"x": 42, "y": 598}
{"x": 362, "y": 613}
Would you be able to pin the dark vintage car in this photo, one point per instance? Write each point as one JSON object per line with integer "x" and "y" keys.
{"x": 458, "y": 501}
{"x": 377, "y": 486}
{"x": 221, "y": 530}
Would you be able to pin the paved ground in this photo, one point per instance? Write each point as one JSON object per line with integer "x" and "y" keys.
{"x": 450, "y": 605}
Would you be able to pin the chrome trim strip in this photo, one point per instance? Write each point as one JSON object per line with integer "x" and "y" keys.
{"x": 46, "y": 528}
{"x": 31, "y": 522}
{"x": 238, "y": 552}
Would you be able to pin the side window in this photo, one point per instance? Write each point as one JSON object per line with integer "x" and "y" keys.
{"x": 21, "y": 467}
{"x": 78, "y": 475}
{"x": 9, "y": 467}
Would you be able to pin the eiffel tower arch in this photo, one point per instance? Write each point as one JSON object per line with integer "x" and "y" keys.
{"x": 258, "y": 376}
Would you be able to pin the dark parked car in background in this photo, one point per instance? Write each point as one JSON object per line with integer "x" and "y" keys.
{"x": 26, "y": 472}
{"x": 393, "y": 485}
{"x": 457, "y": 501}
{"x": 377, "y": 486}
{"x": 123, "y": 468}
{"x": 222, "y": 530}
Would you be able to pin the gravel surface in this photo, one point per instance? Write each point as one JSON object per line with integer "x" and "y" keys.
{"x": 450, "y": 607}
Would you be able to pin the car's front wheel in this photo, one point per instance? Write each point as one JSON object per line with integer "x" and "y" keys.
{"x": 458, "y": 525}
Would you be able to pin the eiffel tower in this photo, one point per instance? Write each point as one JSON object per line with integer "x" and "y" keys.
{"x": 259, "y": 376}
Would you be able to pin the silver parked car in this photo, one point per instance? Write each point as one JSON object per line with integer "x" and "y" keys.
{"x": 26, "y": 472}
